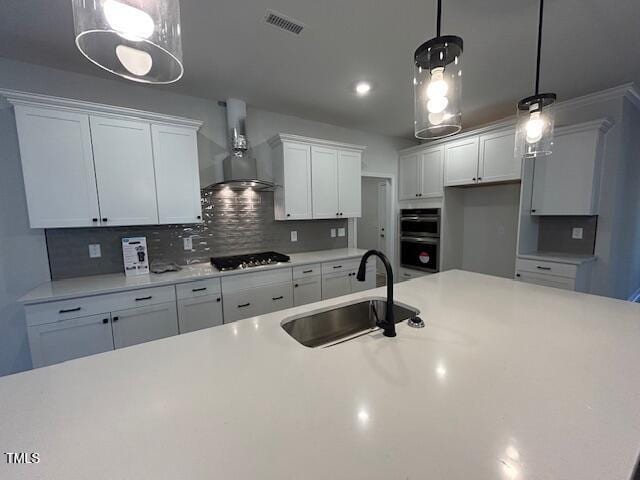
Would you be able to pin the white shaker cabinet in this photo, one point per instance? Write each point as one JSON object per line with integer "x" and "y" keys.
{"x": 421, "y": 174}
{"x": 324, "y": 174}
{"x": 124, "y": 171}
{"x": 292, "y": 172}
{"x": 175, "y": 158}
{"x": 408, "y": 183}
{"x": 336, "y": 284}
{"x": 497, "y": 161}
{"x": 349, "y": 183}
{"x": 57, "y": 342}
{"x": 57, "y": 166}
{"x": 143, "y": 324}
{"x": 199, "y": 312}
{"x": 461, "y": 162}
{"x": 307, "y": 290}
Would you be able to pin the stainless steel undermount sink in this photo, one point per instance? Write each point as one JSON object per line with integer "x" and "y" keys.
{"x": 328, "y": 327}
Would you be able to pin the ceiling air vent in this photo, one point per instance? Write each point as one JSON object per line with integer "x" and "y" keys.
{"x": 283, "y": 22}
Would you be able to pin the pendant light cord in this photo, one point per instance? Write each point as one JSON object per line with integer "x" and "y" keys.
{"x": 539, "y": 46}
{"x": 439, "y": 18}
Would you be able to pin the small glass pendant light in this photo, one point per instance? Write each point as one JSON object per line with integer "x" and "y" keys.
{"x": 437, "y": 85}
{"x": 535, "y": 123}
{"x": 136, "y": 39}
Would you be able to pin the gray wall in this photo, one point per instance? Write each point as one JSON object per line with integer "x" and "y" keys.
{"x": 234, "y": 222}
{"x": 23, "y": 257}
{"x": 555, "y": 234}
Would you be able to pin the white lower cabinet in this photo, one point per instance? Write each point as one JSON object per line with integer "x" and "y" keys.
{"x": 307, "y": 290}
{"x": 68, "y": 339}
{"x": 143, "y": 324}
{"x": 339, "y": 278}
{"x": 554, "y": 274}
{"x": 336, "y": 284}
{"x": 257, "y": 301}
{"x": 200, "y": 312}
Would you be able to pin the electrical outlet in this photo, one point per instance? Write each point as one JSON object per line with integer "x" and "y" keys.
{"x": 576, "y": 233}
{"x": 187, "y": 243}
{"x": 501, "y": 230}
{"x": 341, "y": 232}
{"x": 294, "y": 236}
{"x": 333, "y": 233}
{"x": 95, "y": 251}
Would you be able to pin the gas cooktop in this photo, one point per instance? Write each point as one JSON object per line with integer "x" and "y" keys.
{"x": 249, "y": 260}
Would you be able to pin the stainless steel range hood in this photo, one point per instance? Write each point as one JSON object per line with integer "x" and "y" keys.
{"x": 240, "y": 167}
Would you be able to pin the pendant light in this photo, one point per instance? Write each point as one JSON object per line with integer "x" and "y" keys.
{"x": 136, "y": 39}
{"x": 534, "y": 130}
{"x": 437, "y": 85}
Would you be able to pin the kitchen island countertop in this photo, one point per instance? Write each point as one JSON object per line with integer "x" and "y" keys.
{"x": 507, "y": 381}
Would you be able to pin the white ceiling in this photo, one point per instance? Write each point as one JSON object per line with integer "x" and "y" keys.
{"x": 588, "y": 45}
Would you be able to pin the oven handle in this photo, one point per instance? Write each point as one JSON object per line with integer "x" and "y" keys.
{"x": 425, "y": 240}
{"x": 422, "y": 218}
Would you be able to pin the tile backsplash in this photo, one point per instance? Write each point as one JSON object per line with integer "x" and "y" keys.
{"x": 234, "y": 222}
{"x": 555, "y": 234}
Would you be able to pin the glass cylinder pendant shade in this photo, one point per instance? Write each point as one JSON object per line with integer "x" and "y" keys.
{"x": 535, "y": 124}
{"x": 437, "y": 85}
{"x": 136, "y": 39}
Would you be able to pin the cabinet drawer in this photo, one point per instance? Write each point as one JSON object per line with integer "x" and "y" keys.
{"x": 239, "y": 305}
{"x": 42, "y": 313}
{"x": 201, "y": 288}
{"x": 275, "y": 297}
{"x": 549, "y": 268}
{"x": 546, "y": 280}
{"x": 342, "y": 265}
{"x": 307, "y": 271}
{"x": 245, "y": 281}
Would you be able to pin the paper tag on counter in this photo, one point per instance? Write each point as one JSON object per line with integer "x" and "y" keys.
{"x": 134, "y": 253}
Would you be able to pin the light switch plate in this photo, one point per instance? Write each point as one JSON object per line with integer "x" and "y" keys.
{"x": 341, "y": 232}
{"x": 294, "y": 236}
{"x": 95, "y": 251}
{"x": 333, "y": 233}
{"x": 188, "y": 243}
{"x": 576, "y": 233}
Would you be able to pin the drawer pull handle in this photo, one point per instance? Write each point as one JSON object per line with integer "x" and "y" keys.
{"x": 337, "y": 266}
{"x": 277, "y": 298}
{"x": 296, "y": 285}
{"x": 69, "y": 310}
{"x": 518, "y": 275}
{"x": 199, "y": 289}
{"x": 307, "y": 271}
{"x": 115, "y": 319}
{"x": 244, "y": 305}
{"x": 105, "y": 320}
{"x": 144, "y": 298}
{"x": 543, "y": 268}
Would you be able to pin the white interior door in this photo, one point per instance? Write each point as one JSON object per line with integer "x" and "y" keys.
{"x": 175, "y": 158}
{"x": 57, "y": 166}
{"x": 124, "y": 171}
{"x": 324, "y": 168}
{"x": 349, "y": 184}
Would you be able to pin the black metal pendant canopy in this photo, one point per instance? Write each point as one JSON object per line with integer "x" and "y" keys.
{"x": 534, "y": 132}
{"x": 438, "y": 84}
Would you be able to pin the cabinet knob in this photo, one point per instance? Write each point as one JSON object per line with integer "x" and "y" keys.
{"x": 94, "y": 219}
{"x": 517, "y": 274}
{"x": 337, "y": 214}
{"x": 105, "y": 320}
{"x": 341, "y": 213}
{"x": 288, "y": 214}
{"x": 115, "y": 319}
{"x": 416, "y": 194}
{"x": 479, "y": 178}
{"x": 533, "y": 210}
{"x": 419, "y": 194}
{"x": 105, "y": 219}
{"x": 198, "y": 217}
{"x": 218, "y": 299}
{"x": 296, "y": 285}
{"x": 473, "y": 179}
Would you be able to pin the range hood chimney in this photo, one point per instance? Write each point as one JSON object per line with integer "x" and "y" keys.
{"x": 240, "y": 167}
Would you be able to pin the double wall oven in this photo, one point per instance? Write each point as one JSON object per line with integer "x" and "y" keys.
{"x": 420, "y": 239}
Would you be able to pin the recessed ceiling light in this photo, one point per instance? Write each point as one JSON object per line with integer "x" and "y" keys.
{"x": 363, "y": 88}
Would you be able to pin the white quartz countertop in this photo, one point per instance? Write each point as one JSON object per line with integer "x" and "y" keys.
{"x": 117, "y": 282}
{"x": 507, "y": 381}
{"x": 559, "y": 257}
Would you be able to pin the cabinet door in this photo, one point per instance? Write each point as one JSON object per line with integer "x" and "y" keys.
{"x": 430, "y": 173}
{"x": 349, "y": 184}
{"x": 60, "y": 341}
{"x": 461, "y": 162}
{"x": 408, "y": 182}
{"x": 239, "y": 305}
{"x": 368, "y": 284}
{"x": 335, "y": 285}
{"x": 307, "y": 290}
{"x": 272, "y": 298}
{"x": 497, "y": 162}
{"x": 139, "y": 325}
{"x": 297, "y": 181}
{"x": 57, "y": 166}
{"x": 546, "y": 280}
{"x": 175, "y": 158}
{"x": 324, "y": 180}
{"x": 124, "y": 171}
{"x": 199, "y": 312}
{"x": 563, "y": 182}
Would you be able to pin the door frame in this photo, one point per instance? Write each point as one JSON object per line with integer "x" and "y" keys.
{"x": 392, "y": 217}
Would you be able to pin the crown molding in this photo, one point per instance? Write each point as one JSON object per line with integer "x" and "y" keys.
{"x": 287, "y": 137}
{"x": 601, "y": 124}
{"x": 15, "y": 97}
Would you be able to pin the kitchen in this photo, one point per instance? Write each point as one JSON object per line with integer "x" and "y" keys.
{"x": 518, "y": 269}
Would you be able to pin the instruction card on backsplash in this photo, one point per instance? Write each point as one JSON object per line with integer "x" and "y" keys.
{"x": 134, "y": 252}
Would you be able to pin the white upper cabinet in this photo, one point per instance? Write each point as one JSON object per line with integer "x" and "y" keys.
{"x": 430, "y": 172}
{"x": 123, "y": 158}
{"x": 87, "y": 164}
{"x": 57, "y": 165}
{"x": 461, "y": 161}
{"x": 568, "y": 181}
{"x": 324, "y": 174}
{"x": 349, "y": 183}
{"x": 175, "y": 157}
{"x": 497, "y": 162}
{"x": 409, "y": 180}
{"x": 318, "y": 178}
